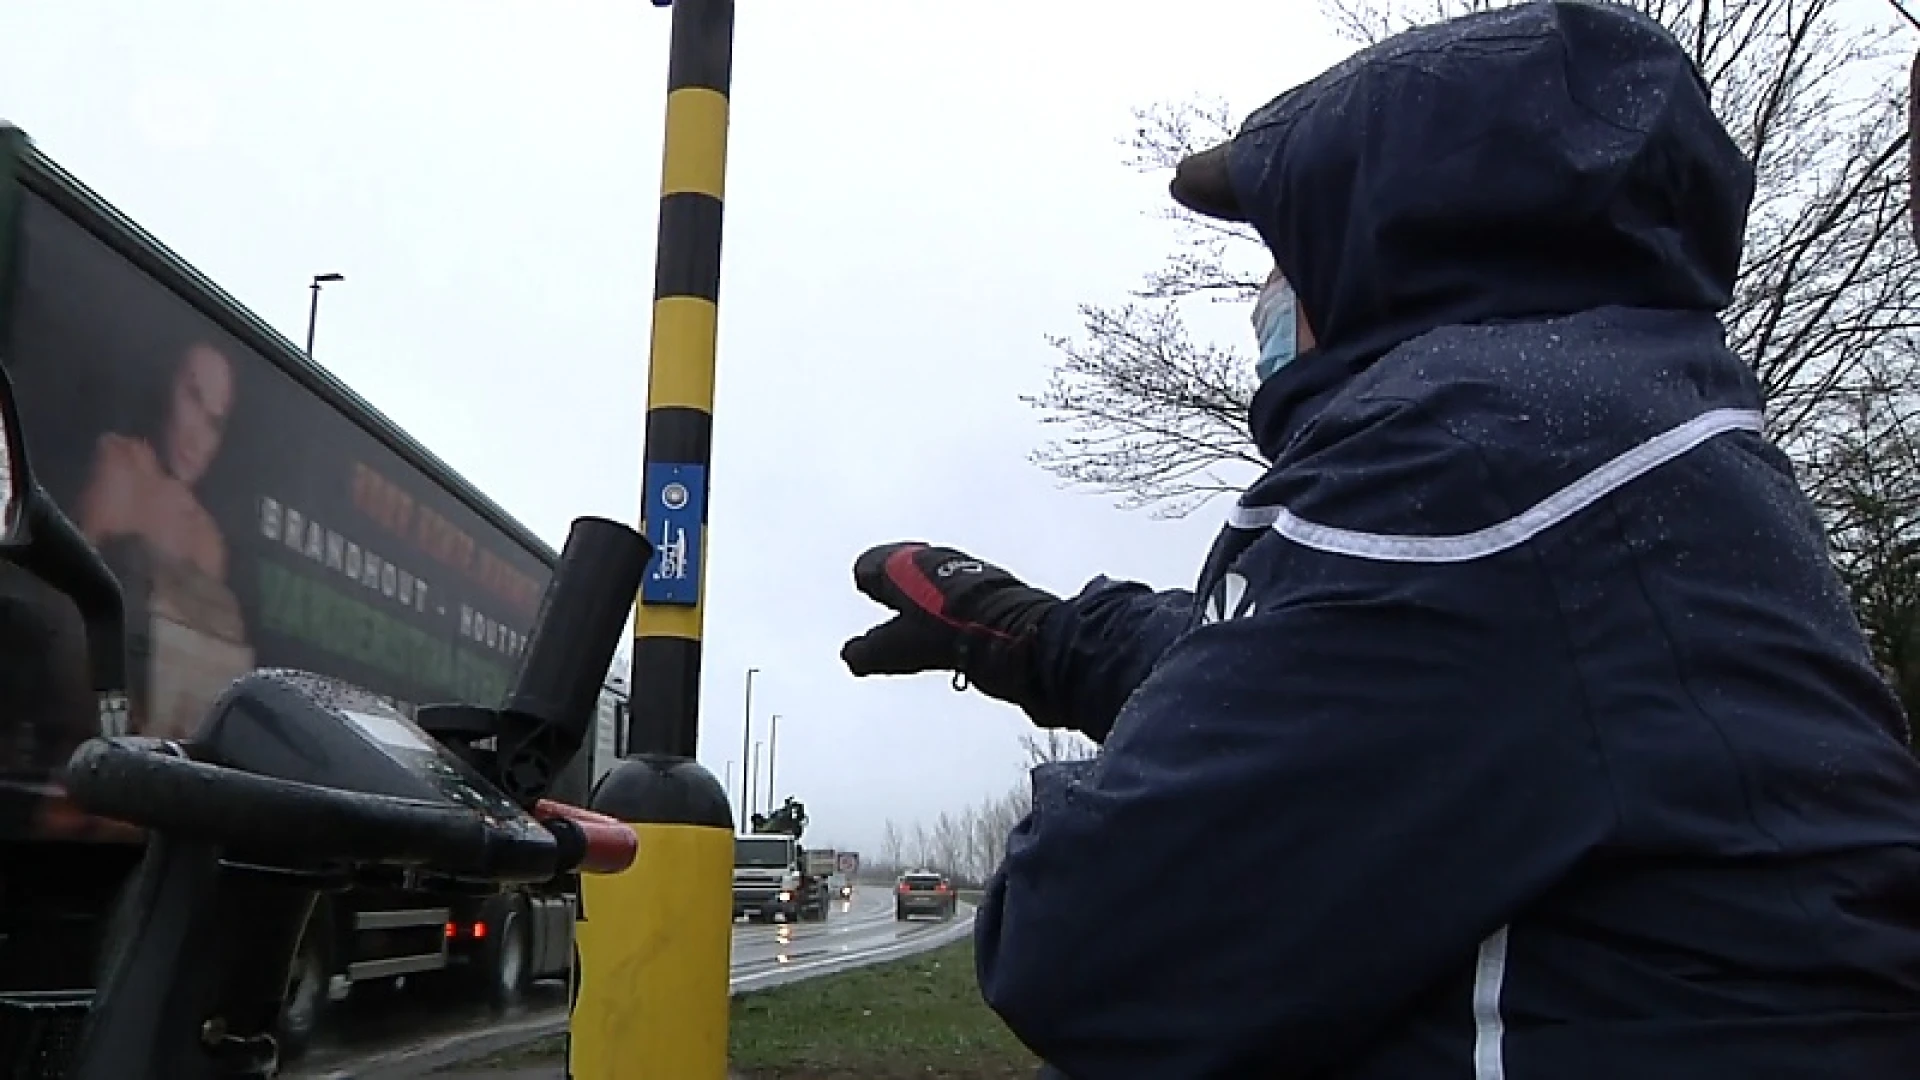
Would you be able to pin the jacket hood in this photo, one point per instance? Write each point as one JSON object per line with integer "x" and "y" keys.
{"x": 1530, "y": 162}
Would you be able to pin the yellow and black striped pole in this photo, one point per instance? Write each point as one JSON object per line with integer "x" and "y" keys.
{"x": 654, "y": 942}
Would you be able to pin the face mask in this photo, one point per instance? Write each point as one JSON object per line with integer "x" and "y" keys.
{"x": 1276, "y": 325}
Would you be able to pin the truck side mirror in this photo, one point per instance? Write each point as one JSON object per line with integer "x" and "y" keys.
{"x": 15, "y": 482}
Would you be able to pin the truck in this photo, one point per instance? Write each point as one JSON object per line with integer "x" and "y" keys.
{"x": 774, "y": 877}
{"x": 385, "y": 930}
{"x": 258, "y": 513}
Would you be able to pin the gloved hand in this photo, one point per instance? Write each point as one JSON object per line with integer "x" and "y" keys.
{"x": 956, "y": 613}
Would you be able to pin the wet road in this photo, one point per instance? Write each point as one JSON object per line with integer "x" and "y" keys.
{"x": 764, "y": 955}
{"x": 374, "y": 1031}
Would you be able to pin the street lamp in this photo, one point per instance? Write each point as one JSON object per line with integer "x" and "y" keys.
{"x": 313, "y": 309}
{"x": 746, "y": 736}
{"x": 773, "y": 751}
{"x": 729, "y": 778}
{"x": 752, "y": 777}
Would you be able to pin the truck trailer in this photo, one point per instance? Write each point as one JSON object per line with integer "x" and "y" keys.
{"x": 258, "y": 513}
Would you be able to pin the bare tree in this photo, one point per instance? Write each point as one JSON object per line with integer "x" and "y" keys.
{"x": 975, "y": 859}
{"x": 1154, "y": 418}
{"x": 1054, "y": 744}
{"x": 920, "y": 845}
{"x": 893, "y": 848}
{"x": 970, "y": 843}
{"x": 949, "y": 844}
{"x": 996, "y": 821}
{"x": 1864, "y": 464}
{"x": 1809, "y": 90}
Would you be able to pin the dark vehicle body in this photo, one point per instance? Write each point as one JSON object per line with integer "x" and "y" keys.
{"x": 258, "y": 514}
{"x": 924, "y": 892}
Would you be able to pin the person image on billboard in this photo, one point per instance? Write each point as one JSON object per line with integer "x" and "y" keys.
{"x": 141, "y": 508}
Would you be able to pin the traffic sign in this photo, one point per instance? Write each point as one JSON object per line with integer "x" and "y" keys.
{"x": 848, "y": 862}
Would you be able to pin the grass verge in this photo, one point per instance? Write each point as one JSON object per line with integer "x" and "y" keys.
{"x": 921, "y": 1017}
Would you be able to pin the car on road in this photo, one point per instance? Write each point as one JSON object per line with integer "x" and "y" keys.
{"x": 924, "y": 892}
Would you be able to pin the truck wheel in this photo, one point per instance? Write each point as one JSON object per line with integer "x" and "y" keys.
{"x": 502, "y": 959}
{"x": 306, "y": 1000}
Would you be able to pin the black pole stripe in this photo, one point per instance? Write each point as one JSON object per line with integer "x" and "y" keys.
{"x": 679, "y": 436}
{"x": 701, "y": 52}
{"x": 688, "y": 263}
{"x": 665, "y": 701}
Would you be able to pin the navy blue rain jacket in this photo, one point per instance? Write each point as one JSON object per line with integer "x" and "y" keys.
{"x": 1523, "y": 731}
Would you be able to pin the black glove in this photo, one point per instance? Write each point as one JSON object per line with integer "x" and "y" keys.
{"x": 957, "y": 614}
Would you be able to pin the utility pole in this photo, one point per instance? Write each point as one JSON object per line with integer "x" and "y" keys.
{"x": 647, "y": 1000}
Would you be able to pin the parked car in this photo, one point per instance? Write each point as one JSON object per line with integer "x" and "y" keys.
{"x": 924, "y": 892}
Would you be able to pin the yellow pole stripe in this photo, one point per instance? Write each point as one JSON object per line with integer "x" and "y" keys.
{"x": 653, "y": 961}
{"x": 673, "y": 620}
{"x": 685, "y": 331}
{"x": 664, "y": 620}
{"x": 696, "y": 152}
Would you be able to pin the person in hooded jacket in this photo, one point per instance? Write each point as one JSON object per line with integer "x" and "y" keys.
{"x": 1518, "y": 728}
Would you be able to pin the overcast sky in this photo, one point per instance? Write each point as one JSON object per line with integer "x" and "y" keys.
{"x": 918, "y": 194}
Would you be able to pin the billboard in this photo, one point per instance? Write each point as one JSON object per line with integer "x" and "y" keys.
{"x": 251, "y": 522}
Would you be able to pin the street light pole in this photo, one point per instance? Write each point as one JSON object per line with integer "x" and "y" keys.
{"x": 746, "y": 736}
{"x": 729, "y": 778}
{"x": 313, "y": 308}
{"x": 773, "y": 751}
{"x": 755, "y": 774}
